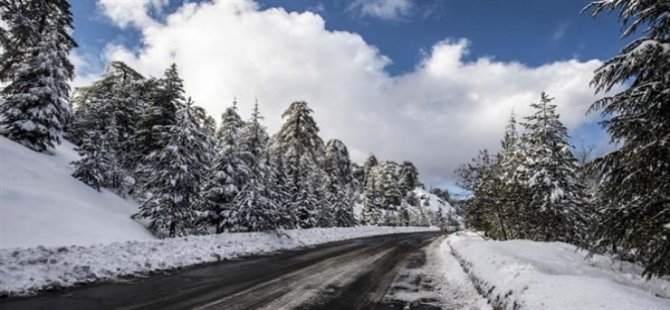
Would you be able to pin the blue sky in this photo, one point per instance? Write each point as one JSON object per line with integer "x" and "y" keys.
{"x": 409, "y": 53}
{"x": 530, "y": 32}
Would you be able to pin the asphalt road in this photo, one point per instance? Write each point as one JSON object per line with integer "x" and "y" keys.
{"x": 354, "y": 274}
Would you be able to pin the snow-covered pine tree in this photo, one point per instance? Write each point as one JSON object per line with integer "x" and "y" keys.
{"x": 484, "y": 211}
{"x": 254, "y": 144}
{"x": 317, "y": 181}
{"x": 337, "y": 164}
{"x": 373, "y": 201}
{"x": 358, "y": 177}
{"x": 634, "y": 194}
{"x": 114, "y": 174}
{"x": 165, "y": 97}
{"x": 300, "y": 146}
{"x": 175, "y": 179}
{"x": 206, "y": 121}
{"x": 388, "y": 186}
{"x": 513, "y": 193}
{"x": 557, "y": 201}
{"x": 370, "y": 162}
{"x": 280, "y": 187}
{"x": 91, "y": 168}
{"x": 229, "y": 173}
{"x": 408, "y": 178}
{"x": 117, "y": 95}
{"x": 340, "y": 190}
{"x": 255, "y": 207}
{"x": 112, "y": 107}
{"x": 35, "y": 65}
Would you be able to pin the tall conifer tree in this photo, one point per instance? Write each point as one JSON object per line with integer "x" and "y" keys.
{"x": 230, "y": 171}
{"x": 557, "y": 196}
{"x": 35, "y": 106}
{"x": 300, "y": 146}
{"x": 175, "y": 179}
{"x": 634, "y": 194}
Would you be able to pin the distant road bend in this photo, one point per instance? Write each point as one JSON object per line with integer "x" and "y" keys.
{"x": 353, "y": 274}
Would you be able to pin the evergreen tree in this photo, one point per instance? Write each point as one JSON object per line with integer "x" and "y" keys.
{"x": 557, "y": 202}
{"x": 634, "y": 194}
{"x": 90, "y": 168}
{"x": 513, "y": 192}
{"x": 35, "y": 65}
{"x": 373, "y": 201}
{"x": 206, "y": 121}
{"x": 112, "y": 108}
{"x": 230, "y": 171}
{"x": 174, "y": 181}
{"x": 388, "y": 185}
{"x": 300, "y": 146}
{"x": 340, "y": 190}
{"x": 280, "y": 187}
{"x": 484, "y": 210}
{"x": 164, "y": 98}
{"x": 370, "y": 162}
{"x": 255, "y": 207}
{"x": 408, "y": 177}
{"x": 358, "y": 176}
{"x": 337, "y": 164}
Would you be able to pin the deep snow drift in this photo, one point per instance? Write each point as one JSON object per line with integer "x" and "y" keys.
{"x": 42, "y": 204}
{"x": 522, "y": 274}
{"x": 23, "y": 271}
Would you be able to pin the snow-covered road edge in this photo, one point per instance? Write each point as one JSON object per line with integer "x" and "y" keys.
{"x": 24, "y": 271}
{"x": 522, "y": 274}
{"x": 456, "y": 287}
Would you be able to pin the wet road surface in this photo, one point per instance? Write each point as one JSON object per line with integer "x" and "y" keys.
{"x": 352, "y": 274}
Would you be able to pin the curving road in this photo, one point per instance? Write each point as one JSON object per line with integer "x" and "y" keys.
{"x": 353, "y": 274}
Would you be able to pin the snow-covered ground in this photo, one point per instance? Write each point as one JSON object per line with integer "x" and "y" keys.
{"x": 26, "y": 270}
{"x": 438, "y": 281}
{"x": 42, "y": 204}
{"x": 455, "y": 287}
{"x": 522, "y": 274}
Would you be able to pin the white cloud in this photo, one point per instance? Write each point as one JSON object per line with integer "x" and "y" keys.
{"x": 382, "y": 9}
{"x": 132, "y": 12}
{"x": 437, "y": 116}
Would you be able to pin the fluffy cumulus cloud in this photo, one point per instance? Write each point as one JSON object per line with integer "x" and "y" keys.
{"x": 133, "y": 12}
{"x": 437, "y": 116}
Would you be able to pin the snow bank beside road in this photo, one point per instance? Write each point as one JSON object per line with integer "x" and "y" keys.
{"x": 456, "y": 288}
{"x": 522, "y": 274}
{"x": 42, "y": 204}
{"x": 24, "y": 271}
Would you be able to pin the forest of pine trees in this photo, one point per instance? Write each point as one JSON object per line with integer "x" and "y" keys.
{"x": 536, "y": 188}
{"x": 142, "y": 137}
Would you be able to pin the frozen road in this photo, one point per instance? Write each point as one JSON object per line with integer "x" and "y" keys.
{"x": 353, "y": 274}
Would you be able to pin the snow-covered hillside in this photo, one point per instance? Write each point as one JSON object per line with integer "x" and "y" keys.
{"x": 433, "y": 203}
{"x": 42, "y": 204}
{"x": 432, "y": 210}
{"x": 523, "y": 274}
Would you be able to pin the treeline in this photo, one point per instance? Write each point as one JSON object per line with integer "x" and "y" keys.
{"x": 532, "y": 188}
{"x": 535, "y": 188}
{"x": 142, "y": 137}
